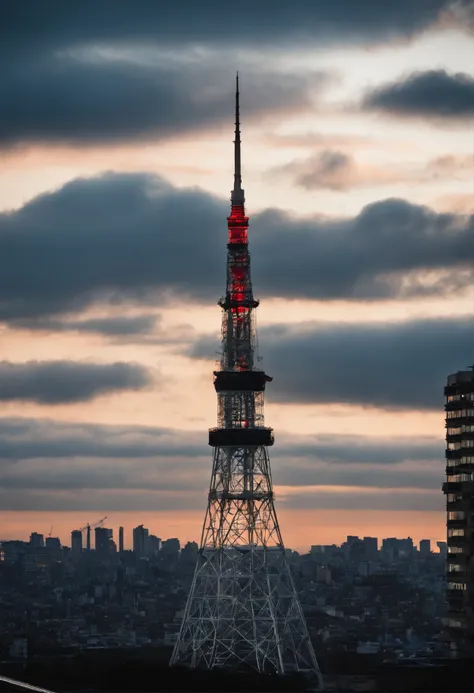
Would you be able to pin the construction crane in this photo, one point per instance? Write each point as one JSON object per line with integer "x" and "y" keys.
{"x": 88, "y": 528}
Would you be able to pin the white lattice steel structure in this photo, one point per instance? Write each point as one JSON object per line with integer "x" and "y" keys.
{"x": 243, "y": 609}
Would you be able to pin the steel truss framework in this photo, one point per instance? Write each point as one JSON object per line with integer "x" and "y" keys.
{"x": 242, "y": 609}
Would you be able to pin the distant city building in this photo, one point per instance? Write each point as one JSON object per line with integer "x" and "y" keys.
{"x": 322, "y": 553}
{"x": 171, "y": 547}
{"x": 76, "y": 542}
{"x": 394, "y": 549}
{"x": 103, "y": 541}
{"x": 442, "y": 547}
{"x": 425, "y": 547}
{"x": 153, "y": 545}
{"x": 459, "y": 491}
{"x": 371, "y": 545}
{"x": 36, "y": 540}
{"x": 13, "y": 551}
{"x": 121, "y": 545}
{"x": 140, "y": 541}
{"x": 190, "y": 551}
{"x": 53, "y": 543}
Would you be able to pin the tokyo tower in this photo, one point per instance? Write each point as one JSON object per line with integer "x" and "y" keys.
{"x": 242, "y": 610}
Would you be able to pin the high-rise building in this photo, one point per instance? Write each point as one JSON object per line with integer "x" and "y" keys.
{"x": 242, "y": 610}
{"x": 121, "y": 544}
{"x": 396, "y": 549}
{"x": 53, "y": 543}
{"x": 76, "y": 542}
{"x": 371, "y": 546}
{"x": 171, "y": 548}
{"x": 425, "y": 547}
{"x": 459, "y": 491}
{"x": 140, "y": 541}
{"x": 153, "y": 545}
{"x": 36, "y": 540}
{"x": 103, "y": 541}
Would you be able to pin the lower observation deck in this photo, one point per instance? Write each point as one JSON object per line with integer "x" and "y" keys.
{"x": 240, "y": 437}
{"x": 242, "y": 495}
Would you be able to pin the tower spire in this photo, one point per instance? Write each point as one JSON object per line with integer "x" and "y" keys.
{"x": 237, "y": 196}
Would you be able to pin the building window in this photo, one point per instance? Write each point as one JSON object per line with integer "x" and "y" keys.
{"x": 454, "y": 568}
{"x": 455, "y": 532}
{"x": 455, "y": 549}
{"x": 457, "y": 586}
{"x": 457, "y": 515}
{"x": 460, "y": 478}
{"x": 460, "y": 413}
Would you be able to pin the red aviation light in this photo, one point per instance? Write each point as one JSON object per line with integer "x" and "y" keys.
{"x": 238, "y": 224}
{"x": 239, "y": 273}
{"x": 238, "y": 292}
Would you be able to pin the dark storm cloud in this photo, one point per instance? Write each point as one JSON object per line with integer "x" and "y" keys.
{"x": 78, "y": 99}
{"x": 29, "y": 27}
{"x": 135, "y": 237}
{"x": 61, "y": 382}
{"x": 395, "y": 365}
{"x": 435, "y": 94}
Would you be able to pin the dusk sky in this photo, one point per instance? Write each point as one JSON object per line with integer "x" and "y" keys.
{"x": 116, "y": 129}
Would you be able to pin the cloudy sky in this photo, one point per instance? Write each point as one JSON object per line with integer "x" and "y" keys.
{"x": 116, "y": 136}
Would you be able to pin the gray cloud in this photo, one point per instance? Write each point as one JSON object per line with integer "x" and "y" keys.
{"x": 46, "y": 463}
{"x": 145, "y": 72}
{"x": 23, "y": 438}
{"x": 434, "y": 93}
{"x": 101, "y": 501}
{"x": 115, "y": 326}
{"x": 395, "y": 365}
{"x": 336, "y": 170}
{"x": 327, "y": 169}
{"x": 382, "y": 500}
{"x": 60, "y": 382}
{"x": 30, "y": 439}
{"x": 25, "y": 29}
{"x": 102, "y": 99}
{"x": 131, "y": 237}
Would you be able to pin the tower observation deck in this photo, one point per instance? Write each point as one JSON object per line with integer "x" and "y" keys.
{"x": 242, "y": 610}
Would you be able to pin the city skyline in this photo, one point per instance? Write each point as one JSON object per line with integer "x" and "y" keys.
{"x": 128, "y": 538}
{"x": 140, "y": 534}
{"x": 116, "y": 193}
